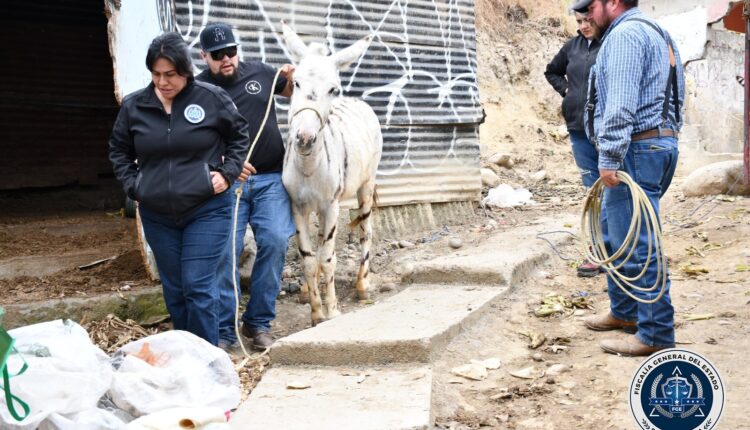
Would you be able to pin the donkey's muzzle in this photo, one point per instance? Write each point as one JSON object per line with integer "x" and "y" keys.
{"x": 305, "y": 142}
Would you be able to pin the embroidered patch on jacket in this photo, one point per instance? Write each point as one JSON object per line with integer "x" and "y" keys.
{"x": 195, "y": 114}
{"x": 252, "y": 87}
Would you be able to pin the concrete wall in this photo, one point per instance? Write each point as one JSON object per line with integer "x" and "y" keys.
{"x": 717, "y": 99}
{"x": 715, "y": 56}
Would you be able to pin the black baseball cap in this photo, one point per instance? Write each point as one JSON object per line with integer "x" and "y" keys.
{"x": 217, "y": 36}
{"x": 581, "y": 6}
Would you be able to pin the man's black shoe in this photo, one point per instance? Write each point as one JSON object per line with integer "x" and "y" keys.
{"x": 262, "y": 340}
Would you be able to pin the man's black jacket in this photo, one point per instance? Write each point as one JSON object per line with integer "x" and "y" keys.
{"x": 568, "y": 73}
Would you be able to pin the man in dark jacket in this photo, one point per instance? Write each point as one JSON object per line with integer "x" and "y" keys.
{"x": 568, "y": 73}
{"x": 264, "y": 204}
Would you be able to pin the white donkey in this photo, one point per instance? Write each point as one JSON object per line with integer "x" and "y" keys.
{"x": 333, "y": 150}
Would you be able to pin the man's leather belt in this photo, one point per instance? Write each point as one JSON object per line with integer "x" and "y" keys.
{"x": 654, "y": 132}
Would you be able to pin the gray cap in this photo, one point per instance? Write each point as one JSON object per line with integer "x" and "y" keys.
{"x": 217, "y": 36}
{"x": 581, "y": 6}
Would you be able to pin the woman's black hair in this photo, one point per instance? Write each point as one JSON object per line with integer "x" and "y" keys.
{"x": 172, "y": 48}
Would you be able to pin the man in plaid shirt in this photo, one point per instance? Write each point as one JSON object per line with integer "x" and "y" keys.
{"x": 636, "y": 90}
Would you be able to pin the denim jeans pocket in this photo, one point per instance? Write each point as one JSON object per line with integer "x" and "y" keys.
{"x": 652, "y": 160}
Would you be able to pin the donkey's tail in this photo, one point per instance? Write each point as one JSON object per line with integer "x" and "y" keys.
{"x": 363, "y": 216}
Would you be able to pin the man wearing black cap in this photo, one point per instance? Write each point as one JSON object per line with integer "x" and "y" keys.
{"x": 633, "y": 116}
{"x": 264, "y": 204}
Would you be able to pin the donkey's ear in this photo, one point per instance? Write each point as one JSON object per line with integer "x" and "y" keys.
{"x": 293, "y": 43}
{"x": 347, "y": 56}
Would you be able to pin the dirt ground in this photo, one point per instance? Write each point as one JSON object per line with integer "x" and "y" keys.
{"x": 711, "y": 313}
{"x": 710, "y": 237}
{"x": 67, "y": 241}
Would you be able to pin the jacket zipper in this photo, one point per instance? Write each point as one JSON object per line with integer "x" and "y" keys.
{"x": 584, "y": 88}
{"x": 169, "y": 173}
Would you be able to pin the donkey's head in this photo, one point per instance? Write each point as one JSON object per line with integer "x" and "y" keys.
{"x": 316, "y": 85}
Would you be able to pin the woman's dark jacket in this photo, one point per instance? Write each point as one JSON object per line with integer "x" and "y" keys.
{"x": 568, "y": 73}
{"x": 176, "y": 152}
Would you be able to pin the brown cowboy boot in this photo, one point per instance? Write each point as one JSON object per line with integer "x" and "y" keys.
{"x": 629, "y": 347}
{"x": 608, "y": 322}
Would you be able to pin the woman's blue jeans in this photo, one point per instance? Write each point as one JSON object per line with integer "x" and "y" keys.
{"x": 587, "y": 159}
{"x": 651, "y": 163}
{"x": 266, "y": 207}
{"x": 187, "y": 253}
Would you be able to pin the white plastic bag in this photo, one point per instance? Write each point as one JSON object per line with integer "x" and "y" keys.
{"x": 90, "y": 419}
{"x": 182, "y": 418}
{"x": 67, "y": 373}
{"x": 180, "y": 370}
{"x": 504, "y": 196}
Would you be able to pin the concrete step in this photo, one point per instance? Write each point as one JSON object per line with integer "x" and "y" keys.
{"x": 411, "y": 326}
{"x": 390, "y": 398}
{"x": 503, "y": 259}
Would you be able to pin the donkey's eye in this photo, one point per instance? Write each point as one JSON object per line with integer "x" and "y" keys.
{"x": 296, "y": 84}
{"x": 334, "y": 91}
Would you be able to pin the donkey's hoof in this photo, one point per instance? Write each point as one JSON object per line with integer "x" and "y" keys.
{"x": 363, "y": 295}
{"x": 304, "y": 298}
{"x": 334, "y": 313}
{"x": 316, "y": 321}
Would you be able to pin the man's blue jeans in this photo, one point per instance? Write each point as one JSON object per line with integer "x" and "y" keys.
{"x": 651, "y": 163}
{"x": 587, "y": 160}
{"x": 187, "y": 253}
{"x": 265, "y": 206}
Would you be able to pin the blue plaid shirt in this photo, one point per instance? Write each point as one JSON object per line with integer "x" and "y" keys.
{"x": 631, "y": 71}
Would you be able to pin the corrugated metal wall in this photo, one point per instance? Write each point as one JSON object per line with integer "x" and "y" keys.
{"x": 419, "y": 75}
{"x": 57, "y": 103}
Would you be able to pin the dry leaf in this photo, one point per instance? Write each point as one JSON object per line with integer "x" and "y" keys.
{"x": 530, "y": 372}
{"x": 711, "y": 246}
{"x": 535, "y": 339}
{"x": 297, "y": 385}
{"x": 693, "y": 270}
{"x": 742, "y": 268}
{"x": 691, "y": 250}
{"x": 698, "y": 317}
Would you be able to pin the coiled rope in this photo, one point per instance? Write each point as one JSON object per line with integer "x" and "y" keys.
{"x": 596, "y": 251}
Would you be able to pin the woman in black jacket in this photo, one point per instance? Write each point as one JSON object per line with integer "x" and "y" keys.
{"x": 190, "y": 142}
{"x": 568, "y": 73}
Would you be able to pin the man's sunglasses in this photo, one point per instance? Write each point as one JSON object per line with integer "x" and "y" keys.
{"x": 229, "y": 51}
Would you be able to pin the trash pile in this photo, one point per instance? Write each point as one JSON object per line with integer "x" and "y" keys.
{"x": 168, "y": 380}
